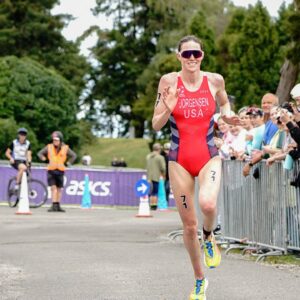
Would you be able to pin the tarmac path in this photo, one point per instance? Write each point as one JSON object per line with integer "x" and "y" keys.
{"x": 108, "y": 254}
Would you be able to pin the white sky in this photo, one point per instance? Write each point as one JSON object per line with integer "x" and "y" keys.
{"x": 81, "y": 11}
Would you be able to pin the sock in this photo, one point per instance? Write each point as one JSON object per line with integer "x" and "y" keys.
{"x": 206, "y": 233}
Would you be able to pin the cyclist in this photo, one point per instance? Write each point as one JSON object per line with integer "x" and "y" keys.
{"x": 19, "y": 154}
{"x": 57, "y": 154}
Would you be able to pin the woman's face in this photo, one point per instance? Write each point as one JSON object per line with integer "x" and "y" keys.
{"x": 223, "y": 127}
{"x": 245, "y": 120}
{"x": 190, "y": 63}
{"x": 274, "y": 113}
{"x": 234, "y": 130}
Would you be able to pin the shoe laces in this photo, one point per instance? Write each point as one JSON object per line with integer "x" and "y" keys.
{"x": 198, "y": 285}
{"x": 209, "y": 247}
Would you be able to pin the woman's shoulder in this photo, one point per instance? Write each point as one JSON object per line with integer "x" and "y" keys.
{"x": 169, "y": 78}
{"x": 214, "y": 78}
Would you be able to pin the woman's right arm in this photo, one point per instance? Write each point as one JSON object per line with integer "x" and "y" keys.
{"x": 165, "y": 102}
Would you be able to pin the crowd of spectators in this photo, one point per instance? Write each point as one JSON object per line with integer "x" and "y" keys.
{"x": 270, "y": 132}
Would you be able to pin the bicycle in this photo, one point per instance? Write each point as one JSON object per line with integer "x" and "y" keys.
{"x": 37, "y": 191}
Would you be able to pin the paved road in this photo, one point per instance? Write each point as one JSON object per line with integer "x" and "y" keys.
{"x": 109, "y": 254}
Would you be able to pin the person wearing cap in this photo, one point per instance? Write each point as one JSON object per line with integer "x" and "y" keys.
{"x": 256, "y": 134}
{"x": 267, "y": 102}
{"x": 19, "y": 154}
{"x": 57, "y": 153}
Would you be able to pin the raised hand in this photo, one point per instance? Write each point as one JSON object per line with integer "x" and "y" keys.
{"x": 232, "y": 120}
{"x": 169, "y": 98}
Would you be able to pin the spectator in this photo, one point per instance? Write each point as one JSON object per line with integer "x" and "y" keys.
{"x": 115, "y": 162}
{"x": 165, "y": 154}
{"x": 122, "y": 163}
{"x": 277, "y": 141}
{"x": 86, "y": 159}
{"x": 256, "y": 134}
{"x": 156, "y": 167}
{"x": 237, "y": 145}
{"x": 57, "y": 154}
{"x": 224, "y": 140}
{"x": 268, "y": 101}
{"x": 19, "y": 154}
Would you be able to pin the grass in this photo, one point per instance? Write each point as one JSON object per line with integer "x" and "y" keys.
{"x": 134, "y": 151}
{"x": 288, "y": 259}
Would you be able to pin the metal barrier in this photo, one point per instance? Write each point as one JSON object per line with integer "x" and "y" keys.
{"x": 262, "y": 214}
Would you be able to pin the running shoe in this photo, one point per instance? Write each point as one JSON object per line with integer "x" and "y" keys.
{"x": 198, "y": 293}
{"x": 212, "y": 254}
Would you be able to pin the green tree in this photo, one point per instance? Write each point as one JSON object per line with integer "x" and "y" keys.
{"x": 198, "y": 27}
{"x": 255, "y": 59}
{"x": 37, "y": 98}
{"x": 27, "y": 28}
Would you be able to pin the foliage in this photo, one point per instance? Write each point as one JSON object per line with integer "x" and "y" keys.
{"x": 144, "y": 32}
{"x": 198, "y": 27}
{"x": 37, "y": 98}
{"x": 254, "y": 57}
{"x": 27, "y": 28}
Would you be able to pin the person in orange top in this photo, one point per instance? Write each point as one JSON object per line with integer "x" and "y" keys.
{"x": 57, "y": 153}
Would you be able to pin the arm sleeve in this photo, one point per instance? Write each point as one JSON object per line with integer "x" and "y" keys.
{"x": 162, "y": 165}
{"x": 72, "y": 156}
{"x": 43, "y": 152}
{"x": 11, "y": 147}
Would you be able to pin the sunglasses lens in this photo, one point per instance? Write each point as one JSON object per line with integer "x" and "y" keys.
{"x": 189, "y": 53}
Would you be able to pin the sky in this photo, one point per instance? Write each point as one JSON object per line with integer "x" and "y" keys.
{"x": 84, "y": 18}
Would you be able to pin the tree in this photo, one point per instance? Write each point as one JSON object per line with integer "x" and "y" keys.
{"x": 27, "y": 28}
{"x": 255, "y": 59}
{"x": 198, "y": 27}
{"x": 37, "y": 98}
{"x": 289, "y": 20}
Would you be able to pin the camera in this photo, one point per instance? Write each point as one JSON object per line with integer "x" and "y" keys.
{"x": 284, "y": 107}
{"x": 287, "y": 106}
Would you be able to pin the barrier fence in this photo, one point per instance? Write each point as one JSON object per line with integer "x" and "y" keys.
{"x": 111, "y": 186}
{"x": 262, "y": 212}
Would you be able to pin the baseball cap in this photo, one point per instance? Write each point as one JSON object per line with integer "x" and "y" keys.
{"x": 295, "y": 92}
{"x": 22, "y": 130}
{"x": 254, "y": 111}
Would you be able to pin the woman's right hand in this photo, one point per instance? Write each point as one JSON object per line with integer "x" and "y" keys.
{"x": 170, "y": 98}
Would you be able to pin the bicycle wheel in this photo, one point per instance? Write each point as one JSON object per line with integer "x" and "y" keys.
{"x": 12, "y": 193}
{"x": 37, "y": 193}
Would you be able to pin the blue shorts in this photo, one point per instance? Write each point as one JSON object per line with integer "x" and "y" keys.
{"x": 154, "y": 189}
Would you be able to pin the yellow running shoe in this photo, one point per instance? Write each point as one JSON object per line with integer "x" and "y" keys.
{"x": 212, "y": 254}
{"x": 198, "y": 293}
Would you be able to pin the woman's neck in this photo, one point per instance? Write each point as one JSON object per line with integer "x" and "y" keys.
{"x": 192, "y": 78}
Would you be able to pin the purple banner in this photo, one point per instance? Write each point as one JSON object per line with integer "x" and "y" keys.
{"x": 107, "y": 186}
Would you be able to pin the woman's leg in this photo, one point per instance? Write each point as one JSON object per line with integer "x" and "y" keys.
{"x": 183, "y": 185}
{"x": 209, "y": 182}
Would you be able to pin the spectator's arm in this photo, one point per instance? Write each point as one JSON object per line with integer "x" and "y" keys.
{"x": 72, "y": 156}
{"x": 163, "y": 166}
{"x": 42, "y": 154}
{"x": 295, "y": 131}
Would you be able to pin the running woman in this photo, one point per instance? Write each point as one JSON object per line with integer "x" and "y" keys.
{"x": 188, "y": 99}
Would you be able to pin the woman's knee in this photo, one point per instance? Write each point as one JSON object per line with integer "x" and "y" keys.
{"x": 191, "y": 229}
{"x": 208, "y": 207}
